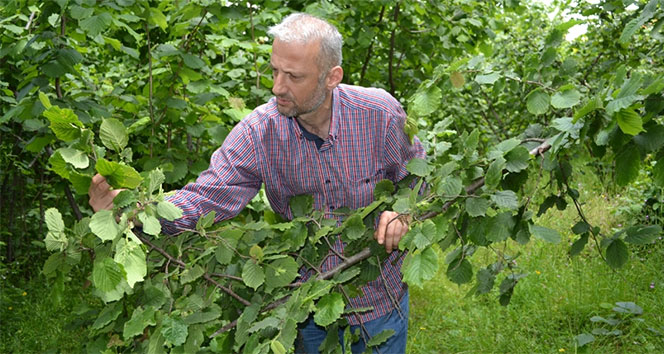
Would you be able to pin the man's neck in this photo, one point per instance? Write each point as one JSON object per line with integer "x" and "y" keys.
{"x": 318, "y": 122}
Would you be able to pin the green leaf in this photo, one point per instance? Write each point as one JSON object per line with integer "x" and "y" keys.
{"x": 628, "y": 308}
{"x": 151, "y": 224}
{"x": 477, "y": 206}
{"x": 106, "y": 274}
{"x": 168, "y": 211}
{"x": 642, "y": 235}
{"x": 281, "y": 272}
{"x": 632, "y": 26}
{"x": 590, "y": 106}
{"x": 44, "y": 100}
{"x": 578, "y": 245}
{"x": 191, "y": 274}
{"x": 566, "y": 99}
{"x": 517, "y": 159}
{"x": 252, "y": 274}
{"x": 457, "y": 79}
{"x": 629, "y": 121}
{"x": 77, "y": 12}
{"x": 583, "y": 339}
{"x": 485, "y": 281}
{"x": 616, "y": 254}
{"x": 580, "y": 227}
{"x": 620, "y": 103}
{"x": 53, "y": 220}
{"x": 104, "y": 226}
{"x": 68, "y": 57}
{"x": 157, "y": 17}
{"x": 419, "y": 267}
{"x": 384, "y": 188}
{"x": 494, "y": 174}
{"x": 658, "y": 173}
{"x": 277, "y": 347}
{"x": 131, "y": 256}
{"x": 329, "y": 309}
{"x": 56, "y": 241}
{"x": 655, "y": 87}
{"x": 117, "y": 174}
{"x": 419, "y": 167}
{"x": 425, "y": 101}
{"x": 53, "y": 69}
{"x": 380, "y": 338}
{"x": 113, "y": 134}
{"x": 139, "y": 320}
{"x": 449, "y": 187}
{"x": 489, "y": 79}
{"x": 76, "y": 158}
{"x": 652, "y": 140}
{"x": 301, "y": 205}
{"x": 154, "y": 180}
{"x": 545, "y": 233}
{"x": 353, "y": 228}
{"x": 174, "y": 330}
{"x": 425, "y": 235}
{"x": 94, "y": 25}
{"x": 64, "y": 123}
{"x": 107, "y": 315}
{"x": 628, "y": 164}
{"x": 192, "y": 61}
{"x": 54, "y": 262}
{"x": 460, "y": 271}
{"x": 537, "y": 102}
{"x": 505, "y": 199}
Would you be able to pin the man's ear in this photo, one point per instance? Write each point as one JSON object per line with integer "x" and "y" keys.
{"x": 334, "y": 77}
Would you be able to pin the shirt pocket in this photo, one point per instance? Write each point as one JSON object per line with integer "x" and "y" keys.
{"x": 362, "y": 187}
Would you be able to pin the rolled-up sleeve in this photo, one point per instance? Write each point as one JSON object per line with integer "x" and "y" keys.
{"x": 226, "y": 187}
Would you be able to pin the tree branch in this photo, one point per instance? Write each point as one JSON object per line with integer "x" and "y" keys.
{"x": 368, "y": 57}
{"x": 183, "y": 266}
{"x": 392, "y": 44}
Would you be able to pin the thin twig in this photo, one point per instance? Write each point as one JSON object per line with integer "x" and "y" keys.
{"x": 150, "y": 108}
{"x": 368, "y": 56}
{"x": 394, "y": 301}
{"x": 392, "y": 45}
{"x": 32, "y": 17}
{"x": 183, "y": 265}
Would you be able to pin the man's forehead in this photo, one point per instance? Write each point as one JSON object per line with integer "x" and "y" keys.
{"x": 292, "y": 56}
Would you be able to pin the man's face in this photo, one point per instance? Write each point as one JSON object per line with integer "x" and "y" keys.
{"x": 298, "y": 83}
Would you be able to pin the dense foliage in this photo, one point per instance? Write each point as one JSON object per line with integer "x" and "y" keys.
{"x": 143, "y": 92}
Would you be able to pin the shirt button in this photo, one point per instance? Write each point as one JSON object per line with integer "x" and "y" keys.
{"x": 327, "y": 181}
{"x": 367, "y": 180}
{"x": 331, "y": 207}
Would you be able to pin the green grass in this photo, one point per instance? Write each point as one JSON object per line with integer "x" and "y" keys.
{"x": 553, "y": 303}
{"x": 34, "y": 318}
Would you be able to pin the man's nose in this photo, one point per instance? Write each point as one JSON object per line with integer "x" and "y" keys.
{"x": 278, "y": 87}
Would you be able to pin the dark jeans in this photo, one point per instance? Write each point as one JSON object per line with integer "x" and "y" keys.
{"x": 311, "y": 335}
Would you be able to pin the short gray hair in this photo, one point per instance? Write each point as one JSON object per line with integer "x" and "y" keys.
{"x": 305, "y": 28}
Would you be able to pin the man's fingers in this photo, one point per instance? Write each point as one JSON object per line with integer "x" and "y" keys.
{"x": 100, "y": 193}
{"x": 379, "y": 235}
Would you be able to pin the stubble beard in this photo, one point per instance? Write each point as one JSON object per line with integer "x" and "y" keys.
{"x": 316, "y": 100}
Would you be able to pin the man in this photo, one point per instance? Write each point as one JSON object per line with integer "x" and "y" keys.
{"x": 319, "y": 137}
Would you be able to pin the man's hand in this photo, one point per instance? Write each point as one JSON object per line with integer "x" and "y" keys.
{"x": 100, "y": 193}
{"x": 391, "y": 227}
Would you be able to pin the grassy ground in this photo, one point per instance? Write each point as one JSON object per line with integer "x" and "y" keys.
{"x": 553, "y": 304}
{"x": 34, "y": 318}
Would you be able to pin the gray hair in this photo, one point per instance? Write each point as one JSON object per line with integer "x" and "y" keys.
{"x": 305, "y": 28}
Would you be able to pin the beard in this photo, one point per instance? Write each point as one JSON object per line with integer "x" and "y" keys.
{"x": 311, "y": 104}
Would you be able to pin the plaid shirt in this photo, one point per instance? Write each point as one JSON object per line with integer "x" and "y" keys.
{"x": 366, "y": 144}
